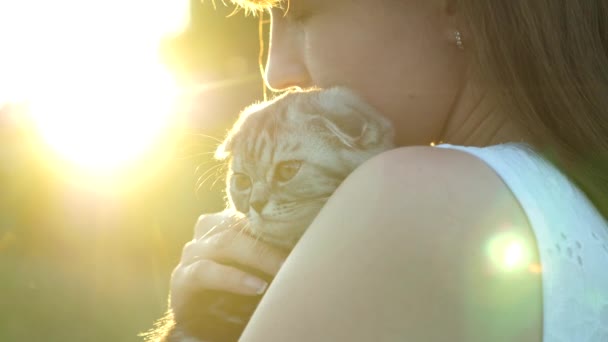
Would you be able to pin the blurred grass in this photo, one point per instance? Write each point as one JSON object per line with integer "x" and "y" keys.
{"x": 80, "y": 266}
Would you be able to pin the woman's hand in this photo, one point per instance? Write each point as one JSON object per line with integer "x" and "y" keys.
{"x": 219, "y": 240}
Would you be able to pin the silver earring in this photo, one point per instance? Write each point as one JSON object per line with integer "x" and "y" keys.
{"x": 459, "y": 40}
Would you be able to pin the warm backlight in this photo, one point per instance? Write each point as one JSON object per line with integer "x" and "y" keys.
{"x": 91, "y": 75}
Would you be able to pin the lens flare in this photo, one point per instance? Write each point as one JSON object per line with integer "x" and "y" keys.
{"x": 91, "y": 75}
{"x": 508, "y": 252}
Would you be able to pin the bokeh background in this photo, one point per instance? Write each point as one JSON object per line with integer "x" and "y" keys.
{"x": 85, "y": 252}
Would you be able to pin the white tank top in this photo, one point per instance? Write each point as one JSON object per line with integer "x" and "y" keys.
{"x": 572, "y": 239}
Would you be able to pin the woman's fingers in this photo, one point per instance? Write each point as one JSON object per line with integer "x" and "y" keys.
{"x": 214, "y": 276}
{"x": 219, "y": 241}
{"x": 212, "y": 223}
{"x": 206, "y": 274}
{"x": 236, "y": 247}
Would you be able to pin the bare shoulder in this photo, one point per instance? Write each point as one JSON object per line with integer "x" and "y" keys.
{"x": 427, "y": 167}
{"x": 446, "y": 179}
{"x": 460, "y": 221}
{"x": 429, "y": 186}
{"x": 417, "y": 244}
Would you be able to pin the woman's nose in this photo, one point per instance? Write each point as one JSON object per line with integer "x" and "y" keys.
{"x": 285, "y": 67}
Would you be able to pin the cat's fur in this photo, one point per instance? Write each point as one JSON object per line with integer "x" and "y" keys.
{"x": 317, "y": 137}
{"x": 287, "y": 156}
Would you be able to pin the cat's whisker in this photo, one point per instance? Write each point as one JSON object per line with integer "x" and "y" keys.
{"x": 237, "y": 222}
{"x": 199, "y": 166}
{"x": 257, "y": 238}
{"x": 206, "y": 173}
{"x": 233, "y": 223}
{"x": 216, "y": 180}
{"x": 200, "y": 187}
{"x": 208, "y": 232}
{"x": 194, "y": 152}
{"x": 188, "y": 143}
{"x": 206, "y": 136}
{"x": 199, "y": 184}
{"x": 195, "y": 155}
{"x": 209, "y": 169}
{"x": 243, "y": 230}
{"x": 243, "y": 227}
{"x": 218, "y": 175}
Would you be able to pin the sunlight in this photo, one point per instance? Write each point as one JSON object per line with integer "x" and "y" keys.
{"x": 91, "y": 74}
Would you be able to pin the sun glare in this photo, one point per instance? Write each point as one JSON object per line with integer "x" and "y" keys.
{"x": 508, "y": 252}
{"x": 91, "y": 75}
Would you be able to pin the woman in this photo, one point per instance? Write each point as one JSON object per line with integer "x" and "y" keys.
{"x": 409, "y": 247}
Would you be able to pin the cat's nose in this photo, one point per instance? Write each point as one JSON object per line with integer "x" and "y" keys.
{"x": 258, "y": 205}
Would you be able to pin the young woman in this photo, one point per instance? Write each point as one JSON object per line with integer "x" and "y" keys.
{"x": 499, "y": 236}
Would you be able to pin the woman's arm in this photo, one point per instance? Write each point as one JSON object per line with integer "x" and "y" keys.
{"x": 400, "y": 253}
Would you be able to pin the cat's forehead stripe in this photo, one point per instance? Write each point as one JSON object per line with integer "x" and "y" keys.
{"x": 260, "y": 134}
{"x": 250, "y": 138}
{"x": 264, "y": 144}
{"x": 260, "y": 146}
{"x": 267, "y": 139}
{"x": 256, "y": 145}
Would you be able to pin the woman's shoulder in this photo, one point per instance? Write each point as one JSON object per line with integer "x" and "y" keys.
{"x": 447, "y": 189}
{"x": 487, "y": 216}
{"x": 449, "y": 220}
{"x": 460, "y": 172}
{"x": 425, "y": 168}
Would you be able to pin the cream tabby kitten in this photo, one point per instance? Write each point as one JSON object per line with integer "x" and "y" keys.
{"x": 288, "y": 155}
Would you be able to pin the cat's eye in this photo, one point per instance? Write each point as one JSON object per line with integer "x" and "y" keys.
{"x": 287, "y": 170}
{"x": 241, "y": 182}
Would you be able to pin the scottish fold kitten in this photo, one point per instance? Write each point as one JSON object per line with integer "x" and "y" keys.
{"x": 286, "y": 157}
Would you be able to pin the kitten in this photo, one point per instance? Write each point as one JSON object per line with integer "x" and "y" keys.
{"x": 286, "y": 156}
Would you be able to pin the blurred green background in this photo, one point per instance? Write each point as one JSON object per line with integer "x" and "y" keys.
{"x": 78, "y": 265}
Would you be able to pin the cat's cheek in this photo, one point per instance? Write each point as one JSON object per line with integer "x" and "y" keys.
{"x": 240, "y": 203}
{"x": 243, "y": 208}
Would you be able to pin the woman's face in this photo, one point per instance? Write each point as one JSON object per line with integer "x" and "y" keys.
{"x": 400, "y": 55}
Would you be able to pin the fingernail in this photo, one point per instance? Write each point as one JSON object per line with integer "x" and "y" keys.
{"x": 256, "y": 284}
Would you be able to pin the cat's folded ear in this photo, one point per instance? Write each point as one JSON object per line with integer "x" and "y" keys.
{"x": 350, "y": 119}
{"x": 235, "y": 133}
{"x": 223, "y": 150}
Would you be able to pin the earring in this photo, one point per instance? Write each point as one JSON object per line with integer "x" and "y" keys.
{"x": 459, "y": 40}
